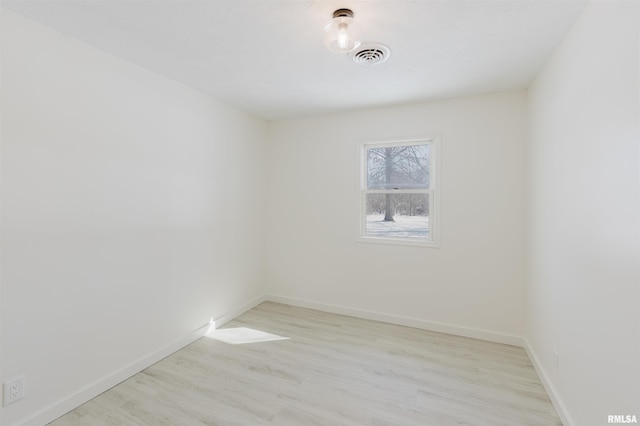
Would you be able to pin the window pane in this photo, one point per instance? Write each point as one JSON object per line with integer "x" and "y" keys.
{"x": 397, "y": 216}
{"x": 398, "y": 167}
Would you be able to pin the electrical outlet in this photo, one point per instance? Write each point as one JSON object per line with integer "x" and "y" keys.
{"x": 13, "y": 390}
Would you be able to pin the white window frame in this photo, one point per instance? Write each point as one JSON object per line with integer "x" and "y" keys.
{"x": 433, "y": 191}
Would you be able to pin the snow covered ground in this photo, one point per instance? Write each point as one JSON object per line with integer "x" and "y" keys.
{"x": 404, "y": 226}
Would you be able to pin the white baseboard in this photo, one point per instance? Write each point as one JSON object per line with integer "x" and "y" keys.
{"x": 67, "y": 404}
{"x": 490, "y": 336}
{"x": 220, "y": 321}
{"x": 554, "y": 396}
{"x": 85, "y": 394}
{"x": 400, "y": 320}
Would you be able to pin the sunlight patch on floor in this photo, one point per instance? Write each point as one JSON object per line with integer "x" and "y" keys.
{"x": 242, "y": 335}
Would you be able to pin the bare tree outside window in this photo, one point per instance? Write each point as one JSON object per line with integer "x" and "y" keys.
{"x": 397, "y": 193}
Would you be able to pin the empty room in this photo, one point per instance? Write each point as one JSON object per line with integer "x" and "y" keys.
{"x": 320, "y": 212}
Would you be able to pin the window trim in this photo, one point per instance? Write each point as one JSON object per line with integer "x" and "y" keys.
{"x": 435, "y": 185}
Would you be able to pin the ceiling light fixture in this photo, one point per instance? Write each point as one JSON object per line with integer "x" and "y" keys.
{"x": 342, "y": 34}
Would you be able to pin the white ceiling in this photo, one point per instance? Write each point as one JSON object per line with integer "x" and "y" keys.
{"x": 268, "y": 57}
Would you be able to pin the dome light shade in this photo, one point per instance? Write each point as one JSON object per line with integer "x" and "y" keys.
{"x": 342, "y": 34}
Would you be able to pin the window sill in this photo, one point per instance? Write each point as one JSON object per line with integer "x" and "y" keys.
{"x": 399, "y": 242}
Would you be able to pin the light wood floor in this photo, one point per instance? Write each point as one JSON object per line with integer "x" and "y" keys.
{"x": 333, "y": 370}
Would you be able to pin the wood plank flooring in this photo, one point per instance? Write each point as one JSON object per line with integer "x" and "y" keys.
{"x": 332, "y": 370}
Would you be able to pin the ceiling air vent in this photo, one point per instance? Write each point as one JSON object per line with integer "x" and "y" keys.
{"x": 371, "y": 54}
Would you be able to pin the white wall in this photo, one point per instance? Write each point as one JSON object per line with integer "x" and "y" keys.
{"x": 583, "y": 217}
{"x": 474, "y": 280}
{"x": 131, "y": 214}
